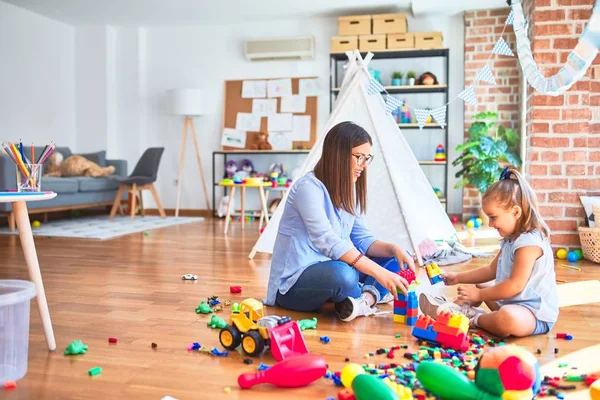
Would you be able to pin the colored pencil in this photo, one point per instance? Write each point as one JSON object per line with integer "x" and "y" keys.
{"x": 570, "y": 266}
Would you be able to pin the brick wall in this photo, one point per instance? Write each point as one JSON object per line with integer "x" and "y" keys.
{"x": 482, "y": 30}
{"x": 563, "y": 141}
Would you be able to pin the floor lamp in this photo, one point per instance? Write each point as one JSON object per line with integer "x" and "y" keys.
{"x": 188, "y": 103}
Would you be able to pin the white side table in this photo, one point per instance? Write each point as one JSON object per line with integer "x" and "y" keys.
{"x": 19, "y": 206}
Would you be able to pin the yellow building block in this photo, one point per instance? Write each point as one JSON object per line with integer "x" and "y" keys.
{"x": 400, "y": 318}
{"x": 459, "y": 321}
{"x": 433, "y": 270}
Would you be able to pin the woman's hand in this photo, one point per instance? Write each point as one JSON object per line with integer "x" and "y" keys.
{"x": 470, "y": 294}
{"x": 402, "y": 257}
{"x": 450, "y": 278}
{"x": 392, "y": 282}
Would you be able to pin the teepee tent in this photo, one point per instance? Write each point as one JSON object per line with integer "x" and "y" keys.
{"x": 402, "y": 207}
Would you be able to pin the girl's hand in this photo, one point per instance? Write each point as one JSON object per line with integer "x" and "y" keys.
{"x": 450, "y": 278}
{"x": 471, "y": 294}
{"x": 402, "y": 257}
{"x": 392, "y": 282}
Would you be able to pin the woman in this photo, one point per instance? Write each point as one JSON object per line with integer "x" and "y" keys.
{"x": 323, "y": 251}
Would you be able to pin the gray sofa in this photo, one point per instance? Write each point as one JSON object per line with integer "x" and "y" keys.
{"x": 73, "y": 192}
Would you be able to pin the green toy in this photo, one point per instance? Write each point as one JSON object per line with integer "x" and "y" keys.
{"x": 235, "y": 308}
{"x": 216, "y": 322}
{"x": 203, "y": 308}
{"x": 308, "y": 323}
{"x": 368, "y": 387}
{"x": 446, "y": 382}
{"x": 76, "y": 347}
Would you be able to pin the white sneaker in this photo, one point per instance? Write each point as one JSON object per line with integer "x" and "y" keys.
{"x": 429, "y": 304}
{"x": 466, "y": 310}
{"x": 350, "y": 308}
{"x": 388, "y": 298}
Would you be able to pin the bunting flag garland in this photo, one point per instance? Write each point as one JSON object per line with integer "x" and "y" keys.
{"x": 439, "y": 114}
{"x": 422, "y": 116}
{"x": 502, "y": 48}
{"x": 392, "y": 104}
{"x": 374, "y": 87}
{"x": 510, "y": 19}
{"x": 468, "y": 95}
{"x": 485, "y": 74}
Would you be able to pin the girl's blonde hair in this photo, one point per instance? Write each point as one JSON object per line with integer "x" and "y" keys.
{"x": 513, "y": 190}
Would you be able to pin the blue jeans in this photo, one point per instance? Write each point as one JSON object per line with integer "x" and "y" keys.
{"x": 333, "y": 281}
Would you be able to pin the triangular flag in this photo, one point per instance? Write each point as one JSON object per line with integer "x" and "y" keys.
{"x": 374, "y": 87}
{"x": 485, "y": 74}
{"x": 510, "y": 19}
{"x": 468, "y": 95}
{"x": 422, "y": 116}
{"x": 439, "y": 114}
{"x": 392, "y": 104}
{"x": 502, "y": 48}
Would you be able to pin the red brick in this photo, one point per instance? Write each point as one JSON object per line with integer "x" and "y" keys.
{"x": 574, "y": 2}
{"x": 563, "y": 197}
{"x": 576, "y": 169}
{"x": 597, "y": 170}
{"x": 546, "y": 113}
{"x": 595, "y": 100}
{"x": 594, "y": 156}
{"x": 544, "y": 100}
{"x": 593, "y": 141}
{"x": 575, "y": 212}
{"x": 562, "y": 43}
{"x": 539, "y": 128}
{"x": 573, "y": 99}
{"x": 587, "y": 184}
{"x": 549, "y": 142}
{"x": 538, "y": 170}
{"x": 583, "y": 85}
{"x": 576, "y": 113}
{"x": 549, "y": 183}
{"x": 579, "y": 14}
{"x": 566, "y": 239}
{"x": 594, "y": 128}
{"x": 469, "y": 49}
{"x": 556, "y": 170}
{"x": 562, "y": 225}
{"x": 595, "y": 86}
{"x": 483, "y": 13}
{"x": 585, "y": 99}
{"x": 541, "y": 197}
{"x": 574, "y": 155}
{"x": 542, "y": 44}
{"x": 552, "y": 30}
{"x": 478, "y": 31}
{"x": 550, "y": 156}
{"x": 538, "y": 4}
{"x": 590, "y": 170}
{"x": 484, "y": 22}
{"x": 551, "y": 211}
{"x": 580, "y": 127}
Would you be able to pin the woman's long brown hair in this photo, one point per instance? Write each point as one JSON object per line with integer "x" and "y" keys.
{"x": 333, "y": 169}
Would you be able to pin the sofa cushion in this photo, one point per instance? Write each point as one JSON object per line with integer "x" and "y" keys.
{"x": 98, "y": 157}
{"x": 87, "y": 184}
{"x": 60, "y": 185}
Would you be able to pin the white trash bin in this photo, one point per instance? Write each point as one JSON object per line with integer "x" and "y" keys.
{"x": 15, "y": 298}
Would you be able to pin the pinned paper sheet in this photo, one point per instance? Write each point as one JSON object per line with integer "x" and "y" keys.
{"x": 308, "y": 87}
{"x": 279, "y": 122}
{"x": 280, "y": 140}
{"x": 254, "y": 89}
{"x": 247, "y": 122}
{"x": 301, "y": 130}
{"x": 264, "y": 107}
{"x": 279, "y": 87}
{"x": 233, "y": 138}
{"x": 293, "y": 104}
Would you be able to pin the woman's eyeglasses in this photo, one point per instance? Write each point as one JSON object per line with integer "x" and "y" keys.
{"x": 363, "y": 160}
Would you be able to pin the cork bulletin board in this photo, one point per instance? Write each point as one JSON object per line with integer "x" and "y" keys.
{"x": 234, "y": 103}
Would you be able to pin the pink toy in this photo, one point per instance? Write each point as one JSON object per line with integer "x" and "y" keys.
{"x": 235, "y": 289}
{"x": 290, "y": 373}
{"x": 407, "y": 274}
{"x": 287, "y": 341}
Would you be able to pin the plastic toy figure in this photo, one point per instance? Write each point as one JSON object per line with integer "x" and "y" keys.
{"x": 203, "y": 308}
{"x": 76, "y": 347}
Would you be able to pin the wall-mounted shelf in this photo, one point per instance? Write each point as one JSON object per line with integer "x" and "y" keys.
{"x": 408, "y": 53}
{"x": 410, "y": 89}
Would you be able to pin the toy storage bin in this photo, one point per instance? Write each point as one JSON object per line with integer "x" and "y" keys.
{"x": 590, "y": 239}
{"x": 15, "y": 297}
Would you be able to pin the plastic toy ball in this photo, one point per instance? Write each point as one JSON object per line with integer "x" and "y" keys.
{"x": 561, "y": 254}
{"x": 454, "y": 219}
{"x": 470, "y": 224}
{"x": 477, "y": 223}
{"x": 573, "y": 256}
{"x": 350, "y": 372}
{"x": 480, "y": 221}
{"x": 36, "y": 224}
{"x": 579, "y": 253}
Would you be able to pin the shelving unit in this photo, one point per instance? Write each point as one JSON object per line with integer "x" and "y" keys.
{"x": 337, "y": 60}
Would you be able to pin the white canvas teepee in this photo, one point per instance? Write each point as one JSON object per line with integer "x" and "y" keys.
{"x": 402, "y": 207}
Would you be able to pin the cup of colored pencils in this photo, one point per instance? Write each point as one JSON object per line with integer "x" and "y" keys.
{"x": 29, "y": 171}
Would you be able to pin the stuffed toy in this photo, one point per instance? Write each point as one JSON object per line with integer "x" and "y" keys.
{"x": 75, "y": 165}
{"x": 428, "y": 79}
{"x": 231, "y": 168}
{"x": 261, "y": 142}
{"x": 248, "y": 168}
{"x": 276, "y": 167}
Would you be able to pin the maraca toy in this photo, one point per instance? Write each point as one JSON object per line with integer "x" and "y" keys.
{"x": 292, "y": 372}
{"x": 366, "y": 387}
{"x": 449, "y": 384}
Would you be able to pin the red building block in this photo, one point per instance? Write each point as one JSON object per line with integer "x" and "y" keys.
{"x": 346, "y": 394}
{"x": 423, "y": 321}
{"x": 412, "y": 312}
{"x": 407, "y": 274}
{"x": 235, "y": 289}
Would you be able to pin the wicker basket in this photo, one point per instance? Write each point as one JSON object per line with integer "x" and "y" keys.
{"x": 590, "y": 239}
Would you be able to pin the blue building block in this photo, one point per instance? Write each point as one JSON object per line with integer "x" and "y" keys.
{"x": 436, "y": 279}
{"x": 411, "y": 321}
{"x": 399, "y": 311}
{"x": 423, "y": 334}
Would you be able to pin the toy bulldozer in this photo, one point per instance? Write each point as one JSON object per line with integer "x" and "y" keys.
{"x": 253, "y": 331}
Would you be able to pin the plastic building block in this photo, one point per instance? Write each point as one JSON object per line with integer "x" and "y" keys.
{"x": 76, "y": 347}
{"x": 346, "y": 394}
{"x": 434, "y": 273}
{"x": 459, "y": 321}
{"x": 564, "y": 336}
{"x": 399, "y": 318}
{"x": 112, "y": 340}
{"x": 308, "y": 324}
{"x": 235, "y": 289}
{"x": 411, "y": 321}
{"x": 407, "y": 274}
{"x": 263, "y": 367}
{"x": 219, "y": 353}
{"x": 248, "y": 361}
{"x": 406, "y": 308}
{"x": 324, "y": 339}
{"x": 154, "y": 345}
{"x": 287, "y": 341}
{"x": 10, "y": 384}
{"x": 95, "y": 371}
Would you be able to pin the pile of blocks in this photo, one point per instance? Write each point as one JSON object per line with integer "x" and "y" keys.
{"x": 406, "y": 308}
{"x": 449, "y": 330}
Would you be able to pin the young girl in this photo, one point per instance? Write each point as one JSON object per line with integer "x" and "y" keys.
{"x": 524, "y": 298}
{"x": 323, "y": 251}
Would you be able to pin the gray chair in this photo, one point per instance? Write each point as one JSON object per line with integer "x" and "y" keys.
{"x": 142, "y": 178}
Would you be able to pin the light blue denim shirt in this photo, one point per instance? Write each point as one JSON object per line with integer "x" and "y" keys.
{"x": 311, "y": 230}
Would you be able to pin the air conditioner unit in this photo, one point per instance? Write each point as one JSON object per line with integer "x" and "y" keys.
{"x": 295, "y": 48}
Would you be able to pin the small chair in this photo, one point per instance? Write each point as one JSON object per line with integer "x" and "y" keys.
{"x": 142, "y": 178}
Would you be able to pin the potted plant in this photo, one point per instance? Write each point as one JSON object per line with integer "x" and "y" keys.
{"x": 397, "y": 78}
{"x": 411, "y": 76}
{"x": 485, "y": 153}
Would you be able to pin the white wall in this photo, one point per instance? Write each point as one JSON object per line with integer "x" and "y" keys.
{"x": 37, "y": 88}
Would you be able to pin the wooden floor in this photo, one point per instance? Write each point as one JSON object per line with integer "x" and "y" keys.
{"x": 131, "y": 288}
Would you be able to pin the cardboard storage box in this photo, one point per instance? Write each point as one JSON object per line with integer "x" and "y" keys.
{"x": 389, "y": 23}
{"x": 372, "y": 42}
{"x": 354, "y": 25}
{"x": 341, "y": 44}
{"x": 400, "y": 41}
{"x": 429, "y": 40}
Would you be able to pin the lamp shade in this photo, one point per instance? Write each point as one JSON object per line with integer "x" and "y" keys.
{"x": 185, "y": 101}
